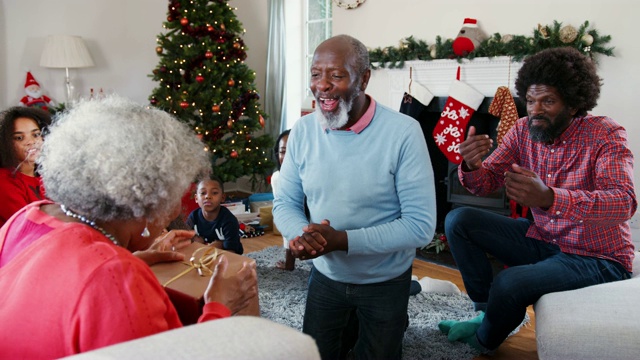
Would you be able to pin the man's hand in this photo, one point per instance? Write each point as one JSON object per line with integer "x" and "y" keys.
{"x": 474, "y": 148}
{"x": 317, "y": 240}
{"x": 526, "y": 188}
{"x": 235, "y": 291}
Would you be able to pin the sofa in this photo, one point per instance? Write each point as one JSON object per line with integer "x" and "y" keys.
{"x": 596, "y": 322}
{"x": 237, "y": 337}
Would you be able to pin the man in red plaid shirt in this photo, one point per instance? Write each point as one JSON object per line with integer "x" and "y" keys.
{"x": 573, "y": 170}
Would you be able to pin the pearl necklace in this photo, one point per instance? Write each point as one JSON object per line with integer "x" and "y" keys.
{"x": 91, "y": 223}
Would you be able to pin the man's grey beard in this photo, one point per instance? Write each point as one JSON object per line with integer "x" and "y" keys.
{"x": 337, "y": 121}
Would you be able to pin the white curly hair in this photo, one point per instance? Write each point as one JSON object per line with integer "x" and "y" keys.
{"x": 115, "y": 159}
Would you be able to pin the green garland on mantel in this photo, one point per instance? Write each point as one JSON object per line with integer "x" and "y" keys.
{"x": 585, "y": 39}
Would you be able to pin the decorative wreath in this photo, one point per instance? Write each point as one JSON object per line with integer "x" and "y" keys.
{"x": 349, "y": 6}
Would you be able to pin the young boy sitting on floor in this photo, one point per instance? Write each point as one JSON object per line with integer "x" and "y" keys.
{"x": 214, "y": 224}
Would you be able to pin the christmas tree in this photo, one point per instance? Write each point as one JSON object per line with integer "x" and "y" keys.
{"x": 205, "y": 83}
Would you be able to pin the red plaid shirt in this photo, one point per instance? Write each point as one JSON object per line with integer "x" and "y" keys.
{"x": 589, "y": 168}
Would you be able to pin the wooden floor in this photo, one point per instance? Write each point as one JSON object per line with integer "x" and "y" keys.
{"x": 521, "y": 346}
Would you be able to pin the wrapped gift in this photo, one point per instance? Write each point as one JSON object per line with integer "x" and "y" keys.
{"x": 186, "y": 281}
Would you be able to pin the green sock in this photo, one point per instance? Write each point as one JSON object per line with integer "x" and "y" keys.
{"x": 445, "y": 325}
{"x": 457, "y": 330}
{"x": 473, "y": 342}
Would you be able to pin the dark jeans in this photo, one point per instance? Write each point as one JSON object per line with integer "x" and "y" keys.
{"x": 534, "y": 268}
{"x": 381, "y": 311}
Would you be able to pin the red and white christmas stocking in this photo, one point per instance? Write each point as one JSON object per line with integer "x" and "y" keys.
{"x": 450, "y": 131}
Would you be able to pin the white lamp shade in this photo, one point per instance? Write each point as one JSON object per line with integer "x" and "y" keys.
{"x": 65, "y": 51}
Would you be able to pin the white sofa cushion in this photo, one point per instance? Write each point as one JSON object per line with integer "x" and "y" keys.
{"x": 596, "y": 322}
{"x": 237, "y": 337}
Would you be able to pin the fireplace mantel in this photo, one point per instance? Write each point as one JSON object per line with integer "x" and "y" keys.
{"x": 483, "y": 74}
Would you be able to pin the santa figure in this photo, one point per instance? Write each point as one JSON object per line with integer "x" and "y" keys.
{"x": 34, "y": 97}
{"x": 469, "y": 37}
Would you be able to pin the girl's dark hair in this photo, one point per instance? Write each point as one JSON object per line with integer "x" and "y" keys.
{"x": 276, "y": 147}
{"x": 8, "y": 156}
{"x": 570, "y": 72}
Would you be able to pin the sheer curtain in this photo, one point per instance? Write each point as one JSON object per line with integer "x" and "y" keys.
{"x": 275, "y": 101}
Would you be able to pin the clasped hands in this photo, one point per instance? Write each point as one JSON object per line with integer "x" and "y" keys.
{"x": 317, "y": 240}
{"x": 521, "y": 184}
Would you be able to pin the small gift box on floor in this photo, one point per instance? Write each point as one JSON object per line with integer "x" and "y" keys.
{"x": 186, "y": 281}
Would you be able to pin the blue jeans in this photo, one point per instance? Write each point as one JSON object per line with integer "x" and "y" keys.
{"x": 534, "y": 268}
{"x": 381, "y": 311}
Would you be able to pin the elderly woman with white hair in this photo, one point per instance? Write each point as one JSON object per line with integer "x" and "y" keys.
{"x": 115, "y": 172}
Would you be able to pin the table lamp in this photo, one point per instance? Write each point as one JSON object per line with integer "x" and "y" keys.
{"x": 65, "y": 51}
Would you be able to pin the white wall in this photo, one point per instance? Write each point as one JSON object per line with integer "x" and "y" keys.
{"x": 120, "y": 35}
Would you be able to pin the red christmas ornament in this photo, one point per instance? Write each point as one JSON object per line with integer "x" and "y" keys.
{"x": 231, "y": 82}
{"x": 200, "y": 78}
{"x": 215, "y": 108}
{"x": 234, "y": 154}
{"x": 154, "y": 101}
{"x": 261, "y": 121}
{"x": 208, "y": 54}
{"x": 210, "y": 28}
{"x": 236, "y": 45}
{"x": 184, "y": 21}
{"x": 169, "y": 18}
{"x": 184, "y": 104}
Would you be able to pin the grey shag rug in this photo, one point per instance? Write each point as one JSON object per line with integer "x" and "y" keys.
{"x": 283, "y": 296}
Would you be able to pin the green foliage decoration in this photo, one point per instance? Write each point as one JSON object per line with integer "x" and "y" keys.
{"x": 584, "y": 38}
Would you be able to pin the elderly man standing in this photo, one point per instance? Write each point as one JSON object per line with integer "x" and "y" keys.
{"x": 366, "y": 173}
{"x": 574, "y": 170}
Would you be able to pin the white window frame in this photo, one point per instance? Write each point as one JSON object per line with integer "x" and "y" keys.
{"x": 298, "y": 95}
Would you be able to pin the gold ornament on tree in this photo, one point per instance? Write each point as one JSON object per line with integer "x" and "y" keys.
{"x": 568, "y": 34}
{"x": 159, "y": 49}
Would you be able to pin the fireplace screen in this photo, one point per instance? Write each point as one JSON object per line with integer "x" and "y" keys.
{"x": 457, "y": 195}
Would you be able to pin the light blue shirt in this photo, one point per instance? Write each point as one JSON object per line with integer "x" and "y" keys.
{"x": 377, "y": 185}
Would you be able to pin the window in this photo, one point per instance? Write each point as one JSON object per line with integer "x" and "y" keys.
{"x": 318, "y": 28}
{"x": 309, "y": 23}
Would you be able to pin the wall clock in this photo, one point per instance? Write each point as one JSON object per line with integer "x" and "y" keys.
{"x": 349, "y": 4}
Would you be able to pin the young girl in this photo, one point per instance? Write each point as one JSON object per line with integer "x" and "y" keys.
{"x": 281, "y": 149}
{"x": 20, "y": 142}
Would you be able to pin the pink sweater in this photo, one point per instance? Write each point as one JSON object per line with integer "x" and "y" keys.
{"x": 71, "y": 290}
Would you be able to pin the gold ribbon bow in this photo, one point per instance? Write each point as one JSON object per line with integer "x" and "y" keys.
{"x": 202, "y": 264}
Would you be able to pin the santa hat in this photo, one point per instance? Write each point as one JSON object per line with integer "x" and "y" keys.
{"x": 469, "y": 22}
{"x": 30, "y": 80}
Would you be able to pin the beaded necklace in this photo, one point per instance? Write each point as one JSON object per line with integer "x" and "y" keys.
{"x": 91, "y": 223}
